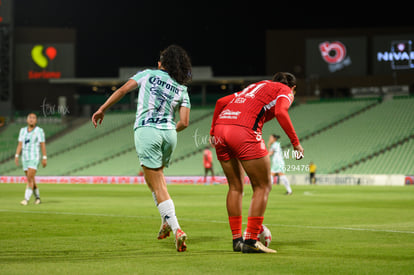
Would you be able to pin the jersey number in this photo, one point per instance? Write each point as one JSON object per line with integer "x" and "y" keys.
{"x": 251, "y": 90}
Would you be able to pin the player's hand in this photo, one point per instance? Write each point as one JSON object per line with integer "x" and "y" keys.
{"x": 16, "y": 160}
{"x": 298, "y": 151}
{"x": 44, "y": 163}
{"x": 98, "y": 116}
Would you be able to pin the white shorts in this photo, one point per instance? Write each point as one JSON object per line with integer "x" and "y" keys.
{"x": 31, "y": 163}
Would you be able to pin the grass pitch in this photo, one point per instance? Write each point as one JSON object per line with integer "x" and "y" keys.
{"x": 112, "y": 229}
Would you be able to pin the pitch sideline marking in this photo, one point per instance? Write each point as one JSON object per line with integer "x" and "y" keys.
{"x": 208, "y": 221}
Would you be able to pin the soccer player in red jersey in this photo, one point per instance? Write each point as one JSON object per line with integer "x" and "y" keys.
{"x": 208, "y": 163}
{"x": 236, "y": 132}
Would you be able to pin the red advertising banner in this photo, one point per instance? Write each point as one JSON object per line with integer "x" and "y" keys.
{"x": 112, "y": 179}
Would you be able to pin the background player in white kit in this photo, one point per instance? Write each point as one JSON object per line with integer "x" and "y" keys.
{"x": 278, "y": 164}
{"x": 31, "y": 139}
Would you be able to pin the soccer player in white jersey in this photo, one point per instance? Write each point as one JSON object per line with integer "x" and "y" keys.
{"x": 161, "y": 93}
{"x": 30, "y": 139}
{"x": 278, "y": 164}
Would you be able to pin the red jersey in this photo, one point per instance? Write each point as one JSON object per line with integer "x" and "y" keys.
{"x": 255, "y": 105}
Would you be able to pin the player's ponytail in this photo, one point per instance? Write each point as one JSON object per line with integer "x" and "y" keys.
{"x": 285, "y": 78}
{"x": 177, "y": 63}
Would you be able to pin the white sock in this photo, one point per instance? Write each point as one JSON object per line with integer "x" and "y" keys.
{"x": 36, "y": 192}
{"x": 286, "y": 183}
{"x": 28, "y": 194}
{"x": 167, "y": 212}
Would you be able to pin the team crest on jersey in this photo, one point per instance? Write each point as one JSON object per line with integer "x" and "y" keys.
{"x": 291, "y": 97}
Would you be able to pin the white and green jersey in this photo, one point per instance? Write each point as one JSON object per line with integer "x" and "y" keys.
{"x": 277, "y": 152}
{"x": 158, "y": 98}
{"x": 31, "y": 142}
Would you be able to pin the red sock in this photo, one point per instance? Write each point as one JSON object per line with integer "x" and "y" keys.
{"x": 254, "y": 224}
{"x": 236, "y": 226}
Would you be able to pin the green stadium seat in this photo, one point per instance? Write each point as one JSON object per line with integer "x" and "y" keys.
{"x": 356, "y": 130}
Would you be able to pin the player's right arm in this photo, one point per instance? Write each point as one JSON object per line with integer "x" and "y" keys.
{"x": 19, "y": 147}
{"x": 114, "y": 98}
{"x": 18, "y": 151}
{"x": 220, "y": 104}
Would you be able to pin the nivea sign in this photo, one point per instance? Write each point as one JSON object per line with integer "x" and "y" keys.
{"x": 392, "y": 53}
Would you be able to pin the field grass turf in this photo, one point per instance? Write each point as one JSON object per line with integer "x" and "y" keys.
{"x": 111, "y": 229}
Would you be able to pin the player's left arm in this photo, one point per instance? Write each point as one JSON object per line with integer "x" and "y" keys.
{"x": 114, "y": 98}
{"x": 184, "y": 119}
{"x": 282, "y": 116}
{"x": 44, "y": 158}
{"x": 42, "y": 143}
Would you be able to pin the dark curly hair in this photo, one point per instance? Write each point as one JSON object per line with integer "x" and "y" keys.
{"x": 177, "y": 63}
{"x": 285, "y": 78}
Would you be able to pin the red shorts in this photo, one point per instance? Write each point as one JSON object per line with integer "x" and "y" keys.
{"x": 233, "y": 141}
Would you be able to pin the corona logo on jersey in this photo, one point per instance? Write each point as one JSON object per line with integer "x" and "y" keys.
{"x": 335, "y": 55}
{"x": 400, "y": 55}
{"x": 43, "y": 58}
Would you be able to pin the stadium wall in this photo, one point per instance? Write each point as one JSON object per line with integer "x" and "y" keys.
{"x": 328, "y": 179}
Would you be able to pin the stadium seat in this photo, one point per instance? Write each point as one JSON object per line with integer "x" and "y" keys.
{"x": 334, "y": 135}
